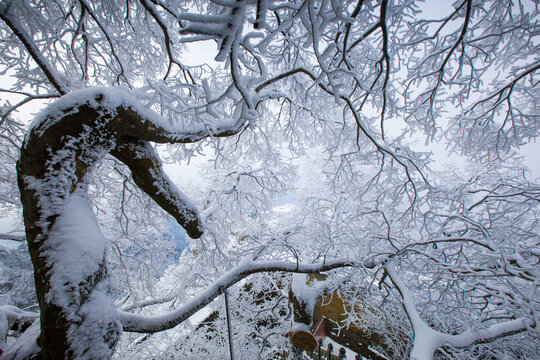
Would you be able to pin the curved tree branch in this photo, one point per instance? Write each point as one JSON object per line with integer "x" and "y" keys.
{"x": 427, "y": 340}
{"x": 150, "y": 324}
{"x": 65, "y": 243}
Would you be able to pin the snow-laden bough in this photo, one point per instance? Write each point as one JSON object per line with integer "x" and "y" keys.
{"x": 78, "y": 319}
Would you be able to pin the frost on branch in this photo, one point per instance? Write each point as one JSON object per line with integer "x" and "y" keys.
{"x": 78, "y": 319}
{"x": 427, "y": 340}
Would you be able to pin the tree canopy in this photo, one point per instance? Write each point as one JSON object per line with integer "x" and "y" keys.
{"x": 377, "y": 141}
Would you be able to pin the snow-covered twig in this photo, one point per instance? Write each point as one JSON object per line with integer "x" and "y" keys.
{"x": 33, "y": 50}
{"x": 19, "y": 238}
{"x": 427, "y": 340}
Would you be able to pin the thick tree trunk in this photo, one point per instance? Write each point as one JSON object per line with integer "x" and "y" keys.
{"x": 53, "y": 163}
{"x": 78, "y": 319}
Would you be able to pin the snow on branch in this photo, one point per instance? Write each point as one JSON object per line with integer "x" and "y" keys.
{"x": 427, "y": 340}
{"x": 152, "y": 323}
{"x": 225, "y": 26}
{"x": 150, "y": 8}
{"x": 33, "y": 50}
{"x": 11, "y": 314}
{"x": 475, "y": 336}
{"x": 63, "y": 143}
{"x": 19, "y": 238}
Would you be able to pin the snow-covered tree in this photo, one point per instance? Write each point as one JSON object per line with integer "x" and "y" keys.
{"x": 323, "y": 103}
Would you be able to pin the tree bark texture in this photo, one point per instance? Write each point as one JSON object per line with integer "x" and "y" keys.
{"x": 53, "y": 170}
